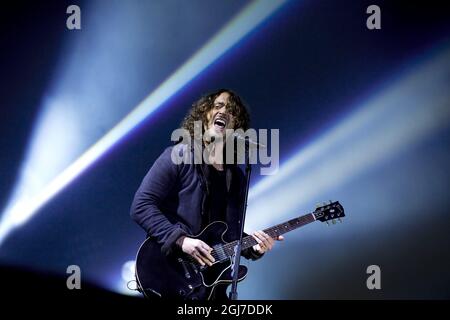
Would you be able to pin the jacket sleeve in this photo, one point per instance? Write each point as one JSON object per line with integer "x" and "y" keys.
{"x": 146, "y": 207}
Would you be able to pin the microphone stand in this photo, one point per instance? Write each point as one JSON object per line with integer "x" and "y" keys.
{"x": 237, "y": 250}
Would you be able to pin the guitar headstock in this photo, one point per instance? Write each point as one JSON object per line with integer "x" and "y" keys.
{"x": 329, "y": 211}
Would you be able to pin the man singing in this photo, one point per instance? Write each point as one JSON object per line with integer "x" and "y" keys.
{"x": 176, "y": 201}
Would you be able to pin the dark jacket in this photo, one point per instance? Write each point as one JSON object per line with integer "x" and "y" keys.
{"x": 171, "y": 199}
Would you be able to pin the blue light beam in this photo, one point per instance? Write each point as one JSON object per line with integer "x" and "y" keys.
{"x": 23, "y": 208}
{"x": 401, "y": 116}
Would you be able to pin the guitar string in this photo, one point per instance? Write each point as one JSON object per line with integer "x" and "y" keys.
{"x": 273, "y": 232}
{"x": 285, "y": 227}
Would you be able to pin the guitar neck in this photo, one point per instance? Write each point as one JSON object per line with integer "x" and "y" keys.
{"x": 274, "y": 231}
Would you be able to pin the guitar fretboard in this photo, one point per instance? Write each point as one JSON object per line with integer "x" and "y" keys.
{"x": 274, "y": 232}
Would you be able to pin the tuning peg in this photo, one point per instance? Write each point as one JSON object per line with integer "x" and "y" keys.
{"x": 330, "y": 202}
{"x": 328, "y": 224}
{"x": 333, "y": 221}
{"x": 340, "y": 220}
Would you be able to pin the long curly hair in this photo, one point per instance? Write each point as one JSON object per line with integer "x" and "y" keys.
{"x": 202, "y": 106}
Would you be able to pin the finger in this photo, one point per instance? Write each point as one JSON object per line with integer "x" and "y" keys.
{"x": 267, "y": 237}
{"x": 198, "y": 258}
{"x": 260, "y": 247}
{"x": 270, "y": 240}
{"x": 259, "y": 236}
{"x": 204, "y": 260}
{"x": 268, "y": 244}
{"x": 207, "y": 250}
{"x": 204, "y": 245}
{"x": 267, "y": 240}
{"x": 209, "y": 259}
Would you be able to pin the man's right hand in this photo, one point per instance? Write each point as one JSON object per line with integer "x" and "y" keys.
{"x": 199, "y": 250}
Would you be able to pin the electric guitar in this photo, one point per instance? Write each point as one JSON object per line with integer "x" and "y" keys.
{"x": 181, "y": 277}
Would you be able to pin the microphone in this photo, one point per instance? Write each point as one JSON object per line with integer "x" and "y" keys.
{"x": 248, "y": 141}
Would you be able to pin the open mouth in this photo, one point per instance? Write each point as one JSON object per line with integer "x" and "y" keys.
{"x": 220, "y": 122}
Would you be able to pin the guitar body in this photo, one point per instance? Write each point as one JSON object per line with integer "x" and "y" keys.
{"x": 178, "y": 276}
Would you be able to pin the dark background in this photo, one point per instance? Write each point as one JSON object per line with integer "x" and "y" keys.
{"x": 302, "y": 71}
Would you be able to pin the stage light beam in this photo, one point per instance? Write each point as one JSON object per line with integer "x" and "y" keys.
{"x": 413, "y": 108}
{"x": 22, "y": 209}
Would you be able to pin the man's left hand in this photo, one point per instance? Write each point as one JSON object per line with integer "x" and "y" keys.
{"x": 265, "y": 242}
